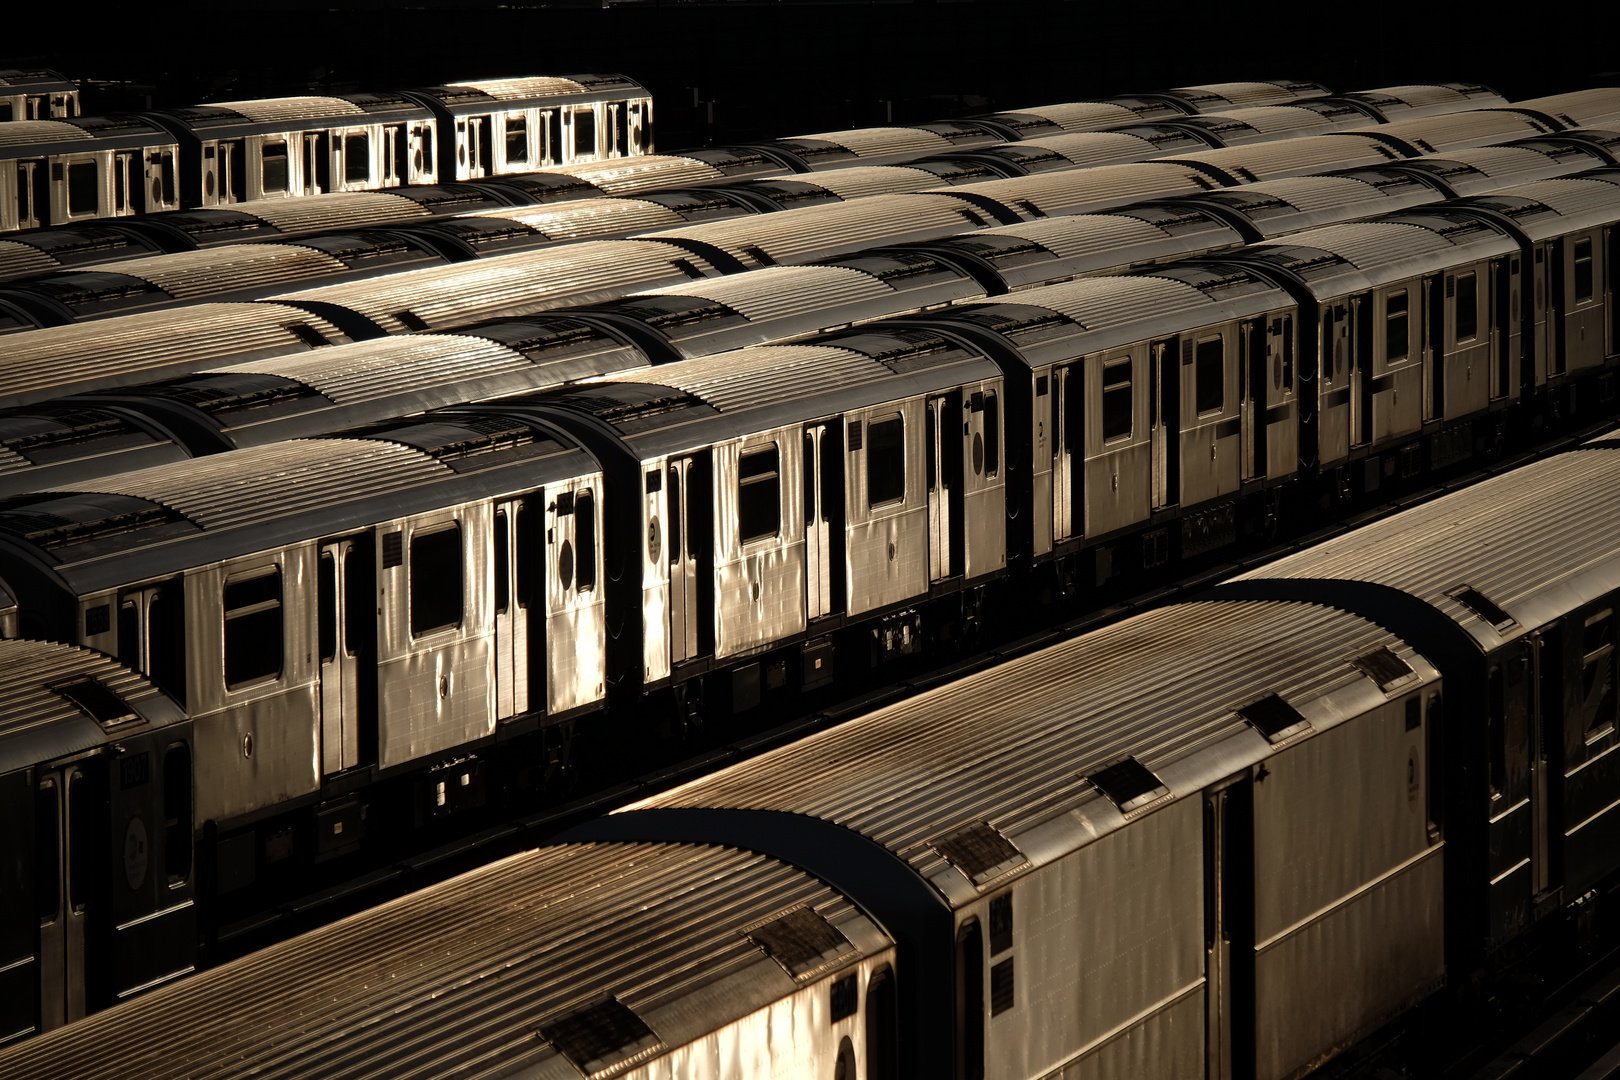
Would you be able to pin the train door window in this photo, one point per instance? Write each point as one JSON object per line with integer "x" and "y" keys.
{"x": 423, "y": 157}
{"x": 992, "y": 435}
{"x": 5, "y": 111}
{"x": 253, "y": 631}
{"x": 1116, "y": 400}
{"x": 1467, "y": 307}
{"x": 517, "y": 140}
{"x": 503, "y": 565}
{"x": 273, "y": 167}
{"x": 1597, "y": 673}
{"x": 1396, "y": 327}
{"x": 83, "y": 188}
{"x": 1209, "y": 374}
{"x": 357, "y": 158}
{"x": 177, "y": 814}
{"x": 233, "y": 158}
{"x": 585, "y": 537}
{"x": 674, "y": 523}
{"x": 759, "y": 495}
{"x": 435, "y": 575}
{"x": 1583, "y": 270}
{"x": 326, "y": 606}
{"x": 554, "y": 137}
{"x": 621, "y": 128}
{"x": 584, "y": 132}
{"x": 48, "y": 851}
{"x": 398, "y": 163}
{"x": 885, "y": 461}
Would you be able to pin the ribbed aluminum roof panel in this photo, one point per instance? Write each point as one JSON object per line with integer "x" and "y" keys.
{"x": 859, "y": 181}
{"x": 779, "y": 292}
{"x": 1310, "y": 193}
{"x": 464, "y": 977}
{"x": 816, "y": 232}
{"x": 1571, "y": 196}
{"x": 522, "y": 283}
{"x": 188, "y": 274}
{"x": 530, "y": 87}
{"x": 1249, "y": 93}
{"x": 61, "y": 360}
{"x": 1294, "y": 157}
{"x": 647, "y": 172}
{"x": 1438, "y": 134}
{"x": 765, "y": 375}
{"x": 23, "y": 260}
{"x": 1366, "y": 245}
{"x": 589, "y": 219}
{"x": 337, "y": 210}
{"x": 1084, "y": 115}
{"x": 28, "y": 670}
{"x": 1087, "y": 148}
{"x": 262, "y": 483}
{"x": 1080, "y": 235}
{"x": 881, "y": 141}
{"x": 1104, "y": 303}
{"x": 275, "y": 110}
{"x": 1012, "y": 745}
{"x": 1536, "y": 531}
{"x": 1080, "y": 191}
{"x": 386, "y": 367}
{"x": 34, "y": 132}
{"x": 1270, "y": 119}
{"x": 1599, "y": 107}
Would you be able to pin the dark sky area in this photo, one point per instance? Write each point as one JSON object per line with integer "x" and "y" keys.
{"x": 779, "y": 68}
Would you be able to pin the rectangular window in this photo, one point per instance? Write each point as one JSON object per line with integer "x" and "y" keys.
{"x": 425, "y": 164}
{"x": 253, "y": 628}
{"x": 435, "y": 574}
{"x": 517, "y": 140}
{"x": 554, "y": 139}
{"x": 1395, "y": 326}
{"x": 992, "y": 435}
{"x": 274, "y": 166}
{"x": 1116, "y": 400}
{"x": 357, "y": 159}
{"x": 1597, "y": 672}
{"x": 585, "y": 537}
{"x": 1288, "y": 352}
{"x": 584, "y": 132}
{"x": 503, "y": 565}
{"x": 83, "y": 188}
{"x": 1467, "y": 307}
{"x": 1210, "y": 375}
{"x": 759, "y": 495}
{"x": 674, "y": 497}
{"x": 1583, "y": 270}
{"x": 120, "y": 176}
{"x": 326, "y": 605}
{"x": 885, "y": 461}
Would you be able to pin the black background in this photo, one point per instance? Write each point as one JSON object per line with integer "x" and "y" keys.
{"x": 776, "y": 69}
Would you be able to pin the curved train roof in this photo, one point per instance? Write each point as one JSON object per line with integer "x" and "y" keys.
{"x": 1014, "y": 750}
{"x": 1535, "y": 542}
{"x": 585, "y": 959}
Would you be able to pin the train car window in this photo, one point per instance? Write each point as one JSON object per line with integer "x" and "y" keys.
{"x": 435, "y": 574}
{"x": 357, "y": 159}
{"x": 759, "y": 495}
{"x": 326, "y": 605}
{"x": 1001, "y": 923}
{"x": 1288, "y": 353}
{"x": 233, "y": 157}
{"x": 120, "y": 177}
{"x": 83, "y": 188}
{"x": 885, "y": 461}
{"x": 523, "y": 565}
{"x": 992, "y": 435}
{"x": 273, "y": 167}
{"x": 1209, "y": 374}
{"x": 399, "y": 149}
{"x": 517, "y": 139}
{"x": 1396, "y": 326}
{"x": 424, "y": 154}
{"x": 584, "y": 132}
{"x": 554, "y": 138}
{"x": 674, "y": 522}
{"x": 621, "y": 128}
{"x": 47, "y": 852}
{"x": 1467, "y": 307}
{"x": 253, "y": 628}
{"x": 585, "y": 537}
{"x": 1116, "y": 400}
{"x": 1597, "y": 673}
{"x": 177, "y": 814}
{"x": 5, "y": 112}
{"x": 503, "y": 565}
{"x": 358, "y": 595}
{"x": 1583, "y": 270}
{"x": 845, "y": 999}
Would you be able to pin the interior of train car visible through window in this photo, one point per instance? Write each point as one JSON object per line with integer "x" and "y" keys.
{"x": 151, "y": 634}
{"x": 992, "y": 435}
{"x": 83, "y": 188}
{"x": 885, "y": 461}
{"x": 253, "y": 628}
{"x": 1116, "y": 399}
{"x": 621, "y": 128}
{"x": 1598, "y": 674}
{"x": 435, "y": 580}
{"x": 552, "y": 121}
{"x": 357, "y": 159}
{"x": 273, "y": 170}
{"x": 517, "y": 140}
{"x": 584, "y": 132}
{"x": 585, "y": 535}
{"x": 1467, "y": 307}
{"x": 1209, "y": 375}
{"x": 1395, "y": 326}
{"x": 1583, "y": 270}
{"x": 759, "y": 495}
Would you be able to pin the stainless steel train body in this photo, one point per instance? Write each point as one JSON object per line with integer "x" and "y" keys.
{"x": 37, "y": 95}
{"x": 59, "y": 171}
{"x": 635, "y": 960}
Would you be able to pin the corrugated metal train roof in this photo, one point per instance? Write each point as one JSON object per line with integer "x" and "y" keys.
{"x": 187, "y": 274}
{"x": 274, "y": 110}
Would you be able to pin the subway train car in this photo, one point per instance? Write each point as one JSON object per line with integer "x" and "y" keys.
{"x": 893, "y": 897}
{"x": 59, "y": 171}
{"x": 37, "y": 95}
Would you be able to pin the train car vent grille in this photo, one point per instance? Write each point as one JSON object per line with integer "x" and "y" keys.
{"x": 603, "y": 1037}
{"x": 1274, "y": 718}
{"x": 980, "y": 851}
{"x": 1474, "y": 600}
{"x": 801, "y": 941}
{"x": 1384, "y": 668}
{"x": 1130, "y": 784}
{"x": 48, "y": 532}
{"x": 100, "y": 704}
{"x": 393, "y": 549}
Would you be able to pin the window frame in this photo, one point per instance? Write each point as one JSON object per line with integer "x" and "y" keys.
{"x": 867, "y": 446}
{"x": 418, "y": 535}
{"x": 771, "y": 476}
{"x": 247, "y": 611}
{"x": 1218, "y": 340}
{"x": 1403, "y": 315}
{"x": 1127, "y": 364}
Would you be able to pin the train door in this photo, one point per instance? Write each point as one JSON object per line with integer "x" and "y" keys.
{"x": 233, "y": 170}
{"x": 480, "y": 143}
{"x": 317, "y": 163}
{"x": 512, "y": 644}
{"x": 128, "y": 184}
{"x": 1503, "y": 327}
{"x": 346, "y": 612}
{"x": 1333, "y": 385}
{"x": 1255, "y": 382}
{"x": 689, "y": 528}
{"x": 67, "y": 852}
{"x": 619, "y": 112}
{"x": 33, "y": 198}
{"x": 824, "y": 519}
{"x": 1166, "y": 423}
{"x": 1064, "y": 383}
{"x": 943, "y": 465}
{"x": 1229, "y": 929}
{"x": 1361, "y": 363}
{"x": 424, "y": 166}
{"x": 151, "y": 634}
{"x": 1516, "y": 776}
{"x": 1434, "y": 341}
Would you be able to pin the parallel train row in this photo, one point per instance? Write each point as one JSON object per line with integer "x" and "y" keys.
{"x": 1231, "y": 837}
{"x": 37, "y": 95}
{"x": 416, "y": 619}
{"x": 954, "y": 150}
